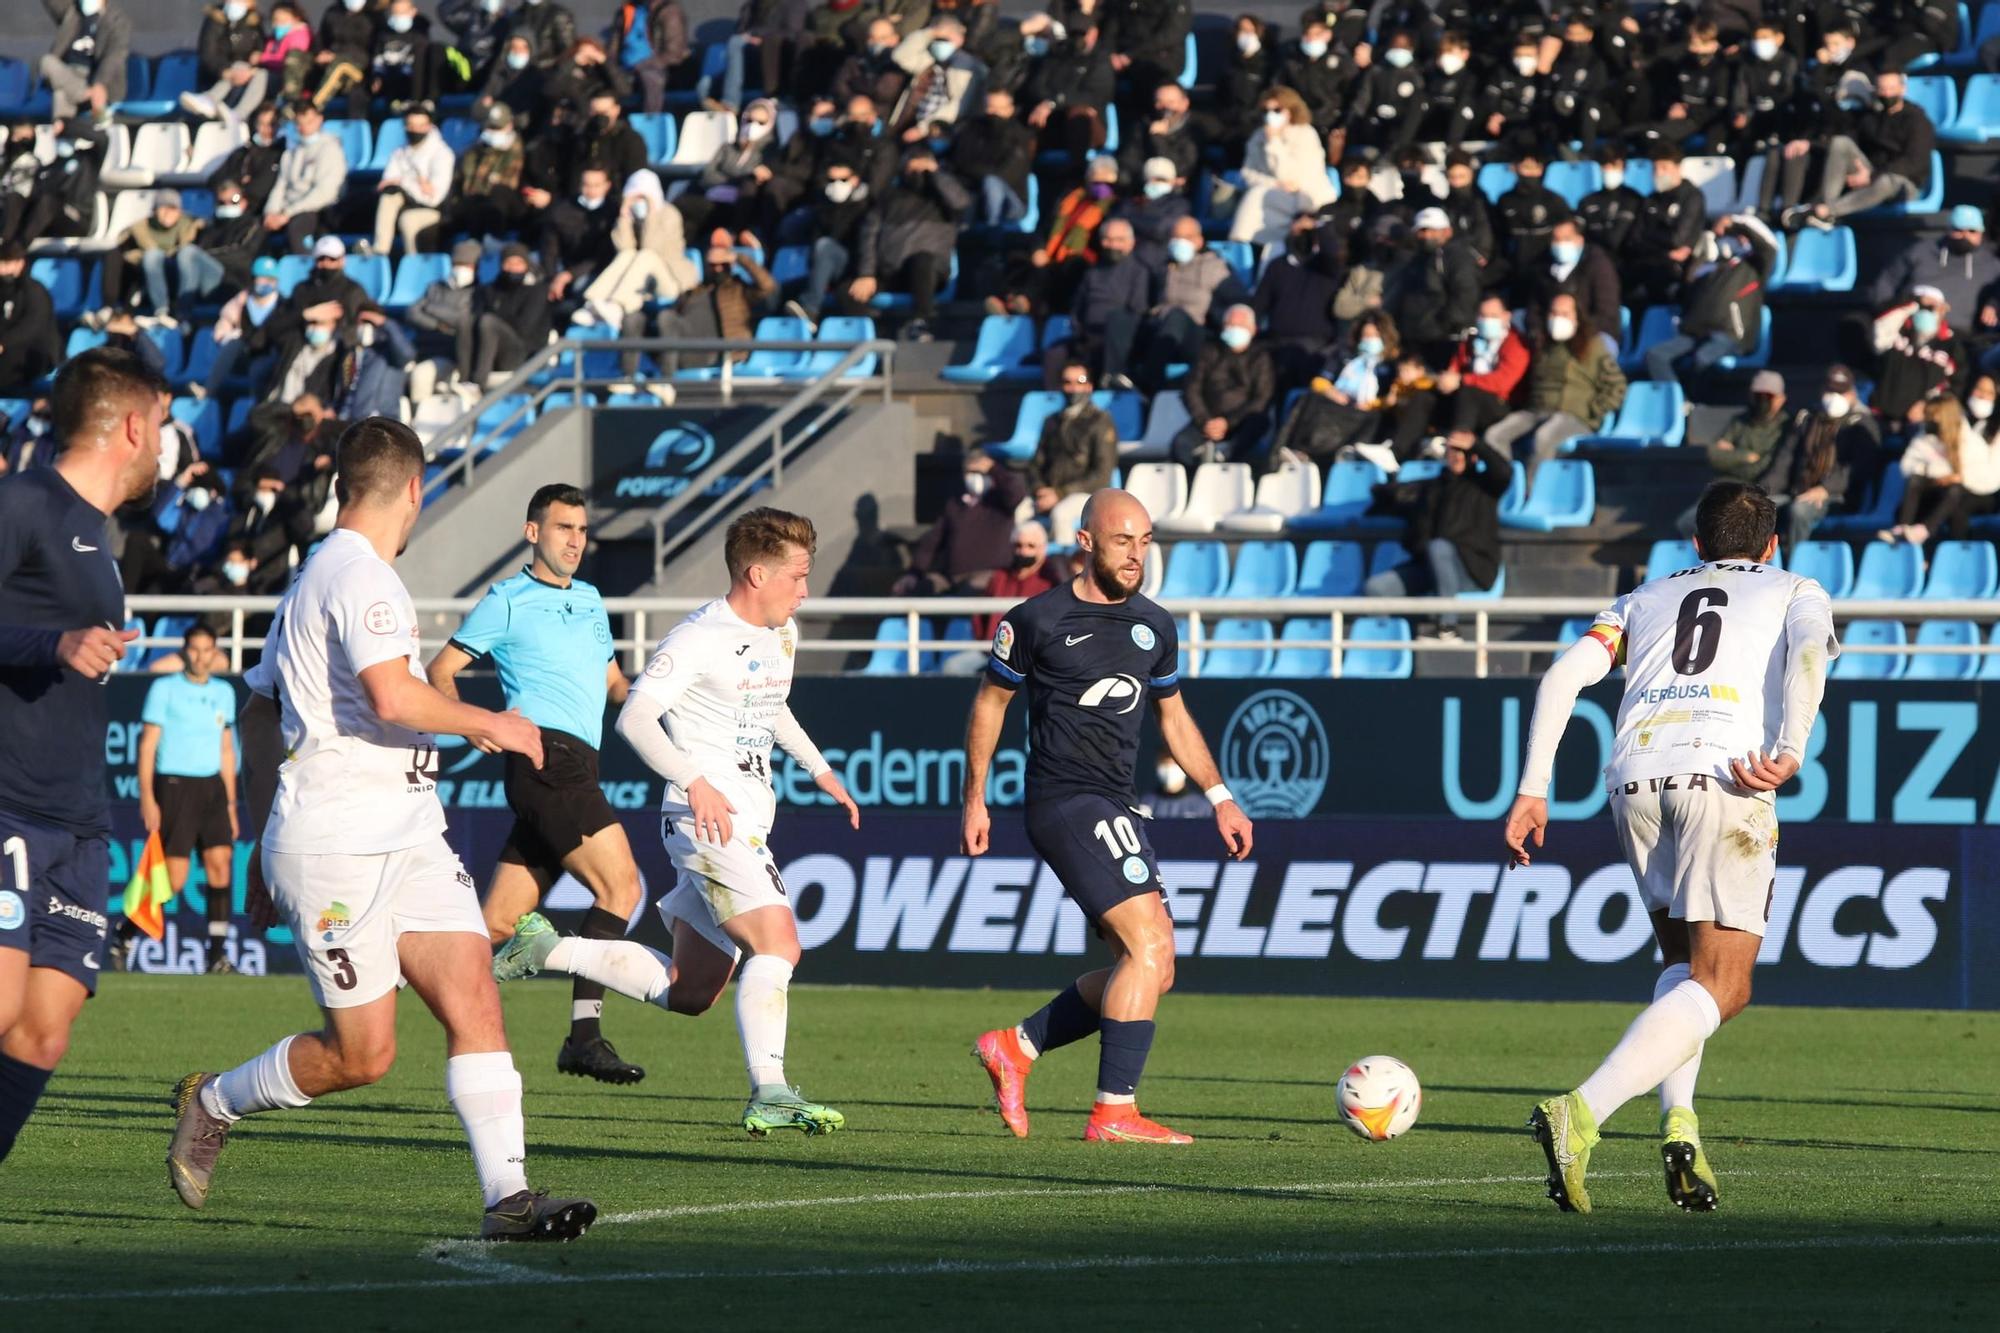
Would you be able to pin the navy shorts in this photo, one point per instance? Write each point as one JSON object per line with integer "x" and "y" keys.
{"x": 56, "y": 916}
{"x": 1098, "y": 848}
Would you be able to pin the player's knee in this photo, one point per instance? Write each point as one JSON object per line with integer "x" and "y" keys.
{"x": 360, "y": 1066}
{"x": 499, "y": 931}
{"x": 618, "y": 896}
{"x": 692, "y": 999}
{"x": 43, "y": 1048}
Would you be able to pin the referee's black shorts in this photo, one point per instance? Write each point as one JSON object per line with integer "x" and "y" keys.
{"x": 555, "y": 806}
{"x": 194, "y": 813}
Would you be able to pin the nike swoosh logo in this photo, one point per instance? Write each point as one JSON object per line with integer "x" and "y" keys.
{"x": 76, "y": 544}
{"x": 90, "y": 961}
{"x": 1072, "y": 640}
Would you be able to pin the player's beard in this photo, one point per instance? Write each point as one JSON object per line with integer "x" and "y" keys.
{"x": 1110, "y": 580}
{"x": 143, "y": 481}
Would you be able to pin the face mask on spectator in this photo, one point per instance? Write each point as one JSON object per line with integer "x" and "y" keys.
{"x": 1451, "y": 62}
{"x": 1157, "y": 189}
{"x": 879, "y": 49}
{"x": 264, "y": 288}
{"x": 198, "y": 498}
{"x": 941, "y": 50}
{"x": 1981, "y": 408}
{"x": 1247, "y": 43}
{"x": 90, "y": 7}
{"x": 1525, "y": 66}
{"x": 1399, "y": 57}
{"x": 1566, "y": 252}
{"x": 1837, "y": 54}
{"x": 1235, "y": 337}
{"x": 976, "y": 484}
{"x": 499, "y": 139}
{"x": 1834, "y": 404}
{"x": 1098, "y": 190}
{"x": 1369, "y": 347}
{"x": 265, "y": 501}
{"x": 587, "y": 204}
{"x": 228, "y": 212}
{"x": 641, "y": 205}
{"x": 821, "y": 126}
{"x": 1026, "y": 560}
{"x": 318, "y": 335}
{"x": 278, "y": 30}
{"x": 461, "y": 276}
{"x": 839, "y": 192}
{"x": 1614, "y": 177}
{"x": 1035, "y": 47}
{"x": 235, "y": 13}
{"x": 402, "y": 22}
{"x": 355, "y": 6}
{"x": 1277, "y": 120}
{"x": 365, "y": 335}
{"x": 1561, "y": 328}
{"x": 1924, "y": 322}
{"x": 65, "y": 148}
{"x": 1312, "y": 50}
{"x": 236, "y": 572}
{"x": 1492, "y": 328}
{"x": 1180, "y": 249}
{"x": 754, "y": 130}
{"x": 1075, "y": 398}
{"x": 517, "y": 60}
{"x": 1764, "y": 48}
{"x": 491, "y": 6}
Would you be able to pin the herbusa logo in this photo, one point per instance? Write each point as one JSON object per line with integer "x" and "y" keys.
{"x": 1275, "y": 756}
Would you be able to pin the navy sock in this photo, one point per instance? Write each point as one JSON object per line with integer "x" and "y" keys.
{"x": 598, "y": 924}
{"x": 1061, "y": 1021}
{"x": 1121, "y": 1055}
{"x": 20, "y": 1088}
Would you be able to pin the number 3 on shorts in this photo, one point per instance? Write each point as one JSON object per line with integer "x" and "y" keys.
{"x": 343, "y": 968}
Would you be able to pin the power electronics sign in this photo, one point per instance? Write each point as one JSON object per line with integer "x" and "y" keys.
{"x": 1418, "y": 908}
{"x": 642, "y": 456}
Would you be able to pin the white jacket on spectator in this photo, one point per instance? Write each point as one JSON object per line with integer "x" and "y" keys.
{"x": 423, "y": 170}
{"x": 310, "y": 177}
{"x": 1978, "y": 461}
{"x": 1295, "y": 157}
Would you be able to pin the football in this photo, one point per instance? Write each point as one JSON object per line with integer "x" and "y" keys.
{"x": 1378, "y": 1097}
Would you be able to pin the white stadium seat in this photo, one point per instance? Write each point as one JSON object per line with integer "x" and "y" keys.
{"x": 1161, "y": 487}
{"x": 1281, "y": 494}
{"x": 1163, "y": 421}
{"x": 1219, "y": 488}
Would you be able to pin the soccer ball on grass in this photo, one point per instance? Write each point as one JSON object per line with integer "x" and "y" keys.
{"x": 1378, "y": 1097}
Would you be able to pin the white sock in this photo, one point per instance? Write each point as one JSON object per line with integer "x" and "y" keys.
{"x": 1677, "y": 1088}
{"x": 485, "y": 1090}
{"x": 762, "y": 1007}
{"x": 1027, "y": 1047}
{"x": 1118, "y": 1098}
{"x": 583, "y": 1009}
{"x": 626, "y": 966}
{"x": 1660, "y": 1040}
{"x": 261, "y": 1084}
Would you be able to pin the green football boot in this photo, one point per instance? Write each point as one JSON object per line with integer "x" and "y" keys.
{"x": 534, "y": 940}
{"x": 775, "y": 1106}
{"x": 1690, "y": 1182}
{"x": 1564, "y": 1128}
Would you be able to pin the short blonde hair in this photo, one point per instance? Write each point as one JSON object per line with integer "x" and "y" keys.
{"x": 762, "y": 536}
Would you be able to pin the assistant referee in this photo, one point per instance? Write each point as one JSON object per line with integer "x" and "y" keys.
{"x": 187, "y": 779}
{"x": 547, "y": 633}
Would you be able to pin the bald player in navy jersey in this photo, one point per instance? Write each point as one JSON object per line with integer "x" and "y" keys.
{"x": 1090, "y": 651}
{"x": 61, "y": 612}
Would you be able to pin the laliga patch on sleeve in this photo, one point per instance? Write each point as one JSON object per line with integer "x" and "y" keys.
{"x": 661, "y": 666}
{"x": 380, "y": 618}
{"x": 1003, "y": 641}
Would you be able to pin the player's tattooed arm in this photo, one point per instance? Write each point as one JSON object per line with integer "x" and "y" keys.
{"x": 1184, "y": 742}
{"x": 982, "y": 737}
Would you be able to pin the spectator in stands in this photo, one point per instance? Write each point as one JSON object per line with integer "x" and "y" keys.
{"x": 859, "y": 138}
{"x": 1111, "y": 298}
{"x": 1576, "y": 267}
{"x": 1177, "y": 132}
{"x": 328, "y": 281}
{"x": 238, "y": 326}
{"x": 649, "y": 40}
{"x": 1148, "y": 41}
{"x": 307, "y": 357}
{"x": 242, "y": 62}
{"x": 1953, "y": 470}
{"x": 1489, "y": 364}
{"x": 17, "y": 176}
{"x": 1154, "y": 211}
{"x": 972, "y": 537}
{"x": 62, "y": 202}
{"x": 1813, "y": 469}
{"x": 1581, "y": 106}
{"x": 342, "y": 50}
{"x": 1068, "y": 90}
{"x": 844, "y": 199}
{"x": 1319, "y": 70}
{"x": 438, "y": 318}
{"x": 312, "y": 174}
{"x": 1294, "y": 303}
{"x": 415, "y": 185}
{"x": 734, "y": 287}
{"x": 1230, "y": 392}
{"x": 1434, "y": 294}
{"x": 1388, "y": 101}
{"x": 796, "y": 165}
{"x": 776, "y": 30}
{"x": 726, "y": 193}
{"x": 576, "y": 239}
{"x": 1465, "y": 205}
{"x": 1078, "y": 449}
{"x": 651, "y": 259}
{"x": 154, "y": 243}
{"x": 906, "y": 240}
{"x": 1526, "y": 216}
{"x": 231, "y": 33}
{"x": 399, "y": 63}
{"x": 25, "y": 443}
{"x": 510, "y": 321}
{"x": 517, "y": 82}
{"x": 1887, "y": 159}
{"x": 586, "y": 73}
{"x": 947, "y": 83}
{"x": 1249, "y": 67}
{"x": 1030, "y": 573}
{"x": 1574, "y": 385}
{"x": 268, "y": 526}
{"x": 872, "y": 71}
{"x": 550, "y": 29}
{"x": 86, "y": 66}
{"x": 1195, "y": 284}
{"x": 1515, "y": 95}
{"x": 239, "y": 572}
{"x": 1743, "y": 450}
{"x": 479, "y": 31}
{"x": 1958, "y": 264}
{"x": 486, "y": 195}
{"x": 1453, "y": 535}
{"x": 1451, "y": 93}
{"x": 1662, "y": 238}
{"x": 1609, "y": 213}
{"x": 1284, "y": 168}
{"x": 201, "y": 522}
{"x": 609, "y": 141}
{"x": 1343, "y": 404}
{"x": 1056, "y": 267}
{"x": 252, "y": 166}
{"x": 1702, "y": 96}
{"x": 1919, "y": 355}
{"x": 998, "y": 152}
{"x": 374, "y": 369}
{"x": 1722, "y": 301}
{"x": 1918, "y": 28}
{"x": 30, "y": 343}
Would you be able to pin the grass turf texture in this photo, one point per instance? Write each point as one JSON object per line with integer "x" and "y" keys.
{"x": 1859, "y": 1163}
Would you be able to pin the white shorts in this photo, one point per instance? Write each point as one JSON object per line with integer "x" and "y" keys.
{"x": 347, "y": 912}
{"x": 718, "y": 882}
{"x": 1701, "y": 849}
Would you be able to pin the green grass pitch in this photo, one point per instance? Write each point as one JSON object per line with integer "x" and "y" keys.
{"x": 1859, "y": 1155}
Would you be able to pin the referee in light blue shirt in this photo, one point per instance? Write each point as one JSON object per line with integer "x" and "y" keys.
{"x": 187, "y": 779}
{"x": 546, "y": 633}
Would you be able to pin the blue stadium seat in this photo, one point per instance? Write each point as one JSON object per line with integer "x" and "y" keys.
{"x": 1574, "y": 629}
{"x": 1057, "y": 329}
{"x": 13, "y": 411}
{"x": 1195, "y": 569}
{"x": 1831, "y": 564}
{"x": 1823, "y": 261}
{"x": 293, "y": 270}
{"x": 1495, "y": 179}
{"x": 1037, "y": 406}
{"x": 791, "y": 264}
{"x": 1989, "y": 663}
{"x": 203, "y": 416}
{"x": 389, "y": 136}
{"x": 374, "y": 275}
{"x": 1573, "y": 180}
{"x": 172, "y": 344}
{"x": 160, "y": 94}
{"x": 1937, "y": 94}
{"x": 493, "y": 430}
{"x": 893, "y": 658}
{"x": 1930, "y": 201}
{"x": 1345, "y": 499}
{"x": 1516, "y": 497}
{"x": 1670, "y": 557}
{"x": 1492, "y": 594}
{"x": 1888, "y": 573}
{"x": 1657, "y": 326}
{"x": 1004, "y": 350}
{"x": 774, "y": 328}
{"x": 1419, "y": 469}
{"x": 1331, "y": 569}
{"x": 1031, "y": 218}
{"x": 1944, "y": 666}
{"x": 1965, "y": 53}
{"x": 836, "y": 329}
{"x": 1110, "y": 148}
{"x": 134, "y": 655}
{"x": 1654, "y": 413}
{"x": 64, "y": 276}
{"x": 1879, "y": 513}
{"x": 1188, "y": 72}
{"x": 1962, "y": 571}
{"x": 81, "y": 340}
{"x": 660, "y": 131}
{"x": 1973, "y": 35}
{"x": 1387, "y": 556}
{"x": 1757, "y": 357}
{"x": 1264, "y": 569}
{"x": 1238, "y": 663}
{"x": 1978, "y": 113}
{"x": 1127, "y": 408}
{"x": 414, "y": 274}
{"x": 357, "y": 140}
{"x": 901, "y": 300}
{"x": 461, "y": 134}
{"x": 1304, "y": 663}
{"x": 1240, "y": 257}
{"x": 168, "y": 631}
{"x": 239, "y": 416}
{"x": 1387, "y": 663}
{"x": 1564, "y": 496}
{"x": 14, "y": 81}
{"x": 1869, "y": 666}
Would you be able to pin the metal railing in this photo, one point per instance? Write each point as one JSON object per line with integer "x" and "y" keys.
{"x": 544, "y": 375}
{"x": 647, "y": 619}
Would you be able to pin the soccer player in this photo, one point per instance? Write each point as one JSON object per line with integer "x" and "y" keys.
{"x": 1091, "y": 650}
{"x": 720, "y": 681}
{"x": 355, "y": 855}
{"x": 546, "y": 632}
{"x": 61, "y": 606}
{"x": 1725, "y": 666}
{"x": 187, "y": 779}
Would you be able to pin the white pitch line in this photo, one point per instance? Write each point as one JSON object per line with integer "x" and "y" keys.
{"x": 956, "y": 1267}
{"x": 765, "y": 1205}
{"x": 476, "y": 1256}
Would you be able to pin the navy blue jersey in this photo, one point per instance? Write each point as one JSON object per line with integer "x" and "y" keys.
{"x": 56, "y": 574}
{"x": 1089, "y": 667}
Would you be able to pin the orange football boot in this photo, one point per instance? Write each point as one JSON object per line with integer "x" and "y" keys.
{"x": 1122, "y": 1123}
{"x": 1008, "y": 1066}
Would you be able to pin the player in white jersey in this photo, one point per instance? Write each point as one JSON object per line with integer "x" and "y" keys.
{"x": 355, "y": 856}
{"x": 1725, "y": 667}
{"x": 704, "y": 715}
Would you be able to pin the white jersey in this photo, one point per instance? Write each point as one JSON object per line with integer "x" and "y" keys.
{"x": 1705, "y": 652}
{"x": 723, "y": 684}
{"x": 351, "y": 783}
